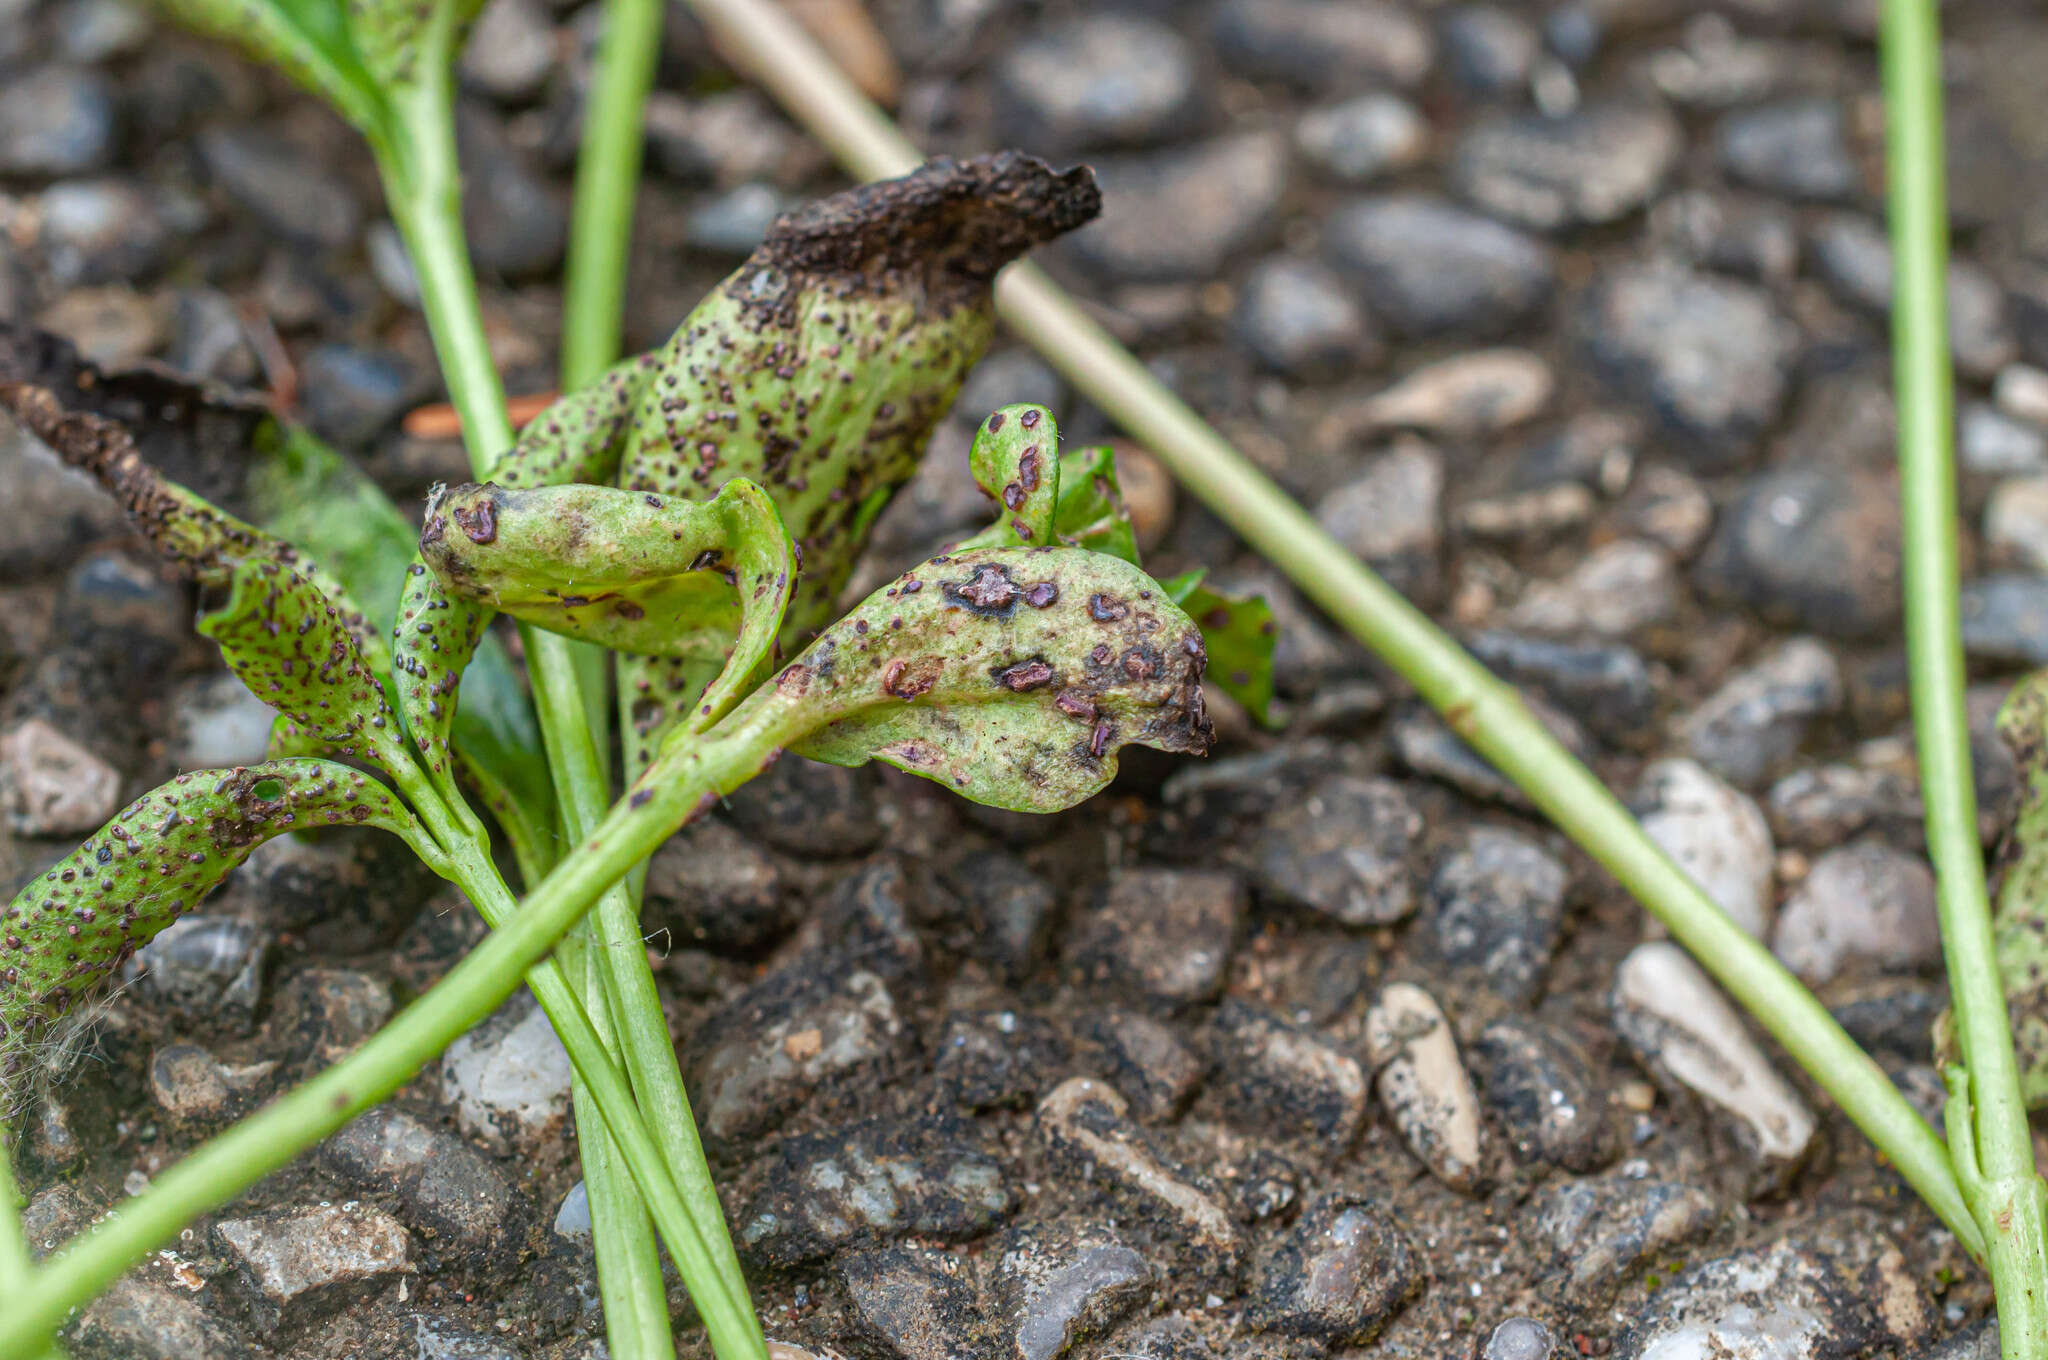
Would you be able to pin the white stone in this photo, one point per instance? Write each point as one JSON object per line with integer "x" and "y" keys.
{"x": 1716, "y": 833}
{"x": 1424, "y": 1086}
{"x": 1684, "y": 1031}
{"x": 2022, "y": 393}
{"x": 1482, "y": 392}
{"x": 1864, "y": 903}
{"x": 216, "y": 723}
{"x": 52, "y": 786}
{"x": 509, "y": 1080}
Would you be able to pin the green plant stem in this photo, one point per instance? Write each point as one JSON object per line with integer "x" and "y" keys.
{"x": 718, "y": 762}
{"x": 600, "y": 242}
{"x": 1995, "y": 1161}
{"x": 607, "y": 182}
{"x": 425, "y": 181}
{"x": 1488, "y": 714}
{"x": 629, "y": 1282}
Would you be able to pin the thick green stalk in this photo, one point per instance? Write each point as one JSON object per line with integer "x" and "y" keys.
{"x": 424, "y": 181}
{"x": 607, "y": 181}
{"x": 1487, "y": 713}
{"x": 600, "y": 242}
{"x": 227, "y": 1165}
{"x": 1992, "y": 1144}
{"x": 629, "y": 1283}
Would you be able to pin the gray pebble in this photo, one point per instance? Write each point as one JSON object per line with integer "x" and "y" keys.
{"x": 1588, "y": 168}
{"x": 296, "y": 1263}
{"x": 1496, "y": 905}
{"x": 56, "y": 120}
{"x": 1603, "y": 1227}
{"x": 445, "y": 1188}
{"x": 511, "y": 50}
{"x": 1797, "y": 149}
{"x": 1709, "y": 357}
{"x": 1057, "y": 1286}
{"x": 143, "y": 1319}
{"x": 1811, "y": 546}
{"x": 1610, "y": 592}
{"x": 1542, "y": 1089}
{"x": 51, "y": 785}
{"x": 1146, "y": 1062}
{"x": 509, "y": 1079}
{"x": 1488, "y": 50}
{"x": 909, "y": 1303}
{"x": 1757, "y": 720}
{"x": 1319, "y": 46}
{"x": 1361, "y": 139}
{"x": 733, "y": 222}
{"x": 1346, "y": 849}
{"x": 1605, "y": 685}
{"x": 1102, "y": 80}
{"x": 1337, "y": 1275}
{"x": 2005, "y": 619}
{"x": 207, "y": 970}
{"x": 285, "y": 189}
{"x": 1297, "y": 318}
{"x": 1519, "y": 1339}
{"x": 1841, "y": 1290}
{"x": 1167, "y": 933}
{"x": 1865, "y": 904}
{"x": 1274, "y": 1074}
{"x": 1391, "y": 515}
{"x": 1180, "y": 214}
{"x": 1428, "y": 267}
{"x": 867, "y": 1183}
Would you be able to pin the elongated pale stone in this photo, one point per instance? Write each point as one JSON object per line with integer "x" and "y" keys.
{"x": 1424, "y": 1086}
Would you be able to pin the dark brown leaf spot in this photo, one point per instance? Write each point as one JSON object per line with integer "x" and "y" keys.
{"x": 1025, "y": 675}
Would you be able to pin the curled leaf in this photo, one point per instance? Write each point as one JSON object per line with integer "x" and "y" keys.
{"x": 71, "y": 926}
{"x": 1015, "y": 459}
{"x": 1011, "y": 675}
{"x": 688, "y": 580}
{"x": 820, "y": 368}
{"x": 310, "y": 503}
{"x": 285, "y": 639}
{"x": 436, "y": 635}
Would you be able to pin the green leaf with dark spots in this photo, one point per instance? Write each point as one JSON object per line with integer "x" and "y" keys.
{"x": 288, "y": 643}
{"x": 1015, "y": 460}
{"x": 698, "y": 582}
{"x": 821, "y": 367}
{"x": 582, "y": 436}
{"x": 431, "y": 645}
{"x": 71, "y": 926}
{"x": 1011, "y": 675}
{"x": 2021, "y": 920}
{"x": 1240, "y": 634}
{"x": 1092, "y": 513}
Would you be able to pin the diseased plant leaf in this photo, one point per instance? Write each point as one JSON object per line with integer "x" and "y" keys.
{"x": 1076, "y": 501}
{"x": 582, "y": 436}
{"x": 235, "y": 453}
{"x": 71, "y": 926}
{"x": 397, "y": 37}
{"x": 1092, "y": 513}
{"x": 820, "y": 368}
{"x": 435, "y": 637}
{"x": 704, "y": 582}
{"x": 283, "y": 637}
{"x": 1010, "y": 675}
{"x": 1239, "y": 632}
{"x": 2021, "y": 920}
{"x": 1015, "y": 460}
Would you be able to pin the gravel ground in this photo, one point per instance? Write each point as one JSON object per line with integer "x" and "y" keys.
{"x": 1568, "y": 317}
